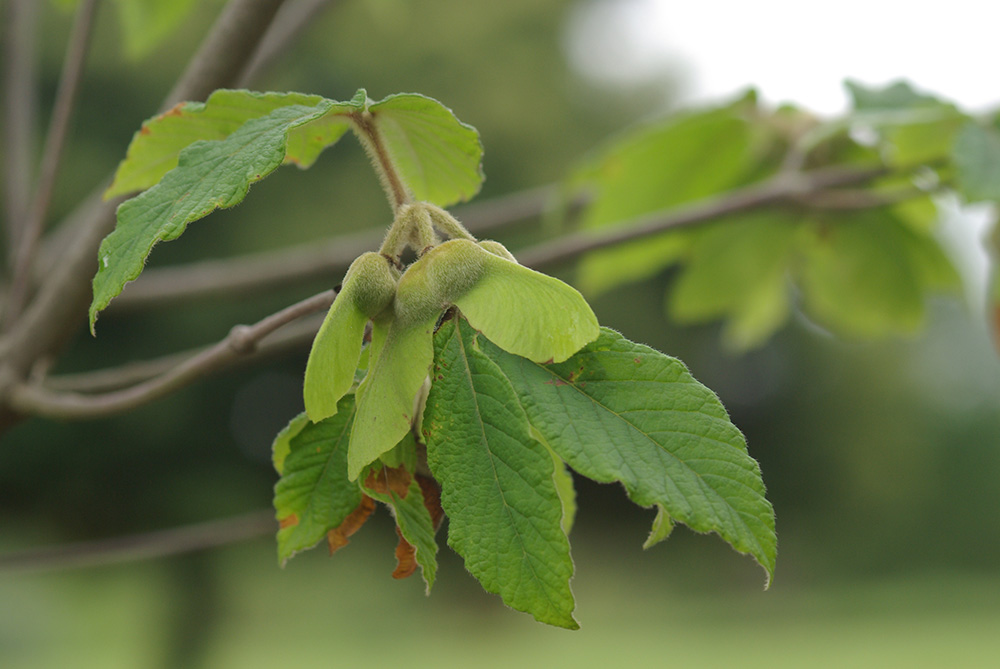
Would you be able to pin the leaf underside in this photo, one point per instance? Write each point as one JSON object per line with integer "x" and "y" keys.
{"x": 386, "y": 396}
{"x": 334, "y": 357}
{"x": 529, "y": 313}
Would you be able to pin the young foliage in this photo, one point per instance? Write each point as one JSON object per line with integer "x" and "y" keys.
{"x": 483, "y": 381}
{"x": 156, "y": 147}
{"x": 977, "y": 161}
{"x": 209, "y": 175}
{"x": 660, "y": 166}
{"x": 497, "y": 482}
{"x": 860, "y": 260}
{"x": 205, "y": 157}
{"x": 313, "y": 495}
{"x": 620, "y": 411}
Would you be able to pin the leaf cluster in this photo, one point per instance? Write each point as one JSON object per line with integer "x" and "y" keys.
{"x": 460, "y": 385}
{"x": 859, "y": 258}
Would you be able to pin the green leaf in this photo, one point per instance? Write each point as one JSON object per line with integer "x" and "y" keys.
{"x": 147, "y": 23}
{"x": 387, "y": 395}
{"x": 868, "y": 276}
{"x": 368, "y": 290}
{"x": 620, "y": 411}
{"x": 209, "y": 175}
{"x": 438, "y": 156}
{"x": 334, "y": 357}
{"x": 313, "y": 495}
{"x": 658, "y": 167}
{"x": 415, "y": 525}
{"x": 976, "y": 154}
{"x": 663, "y": 525}
{"x": 283, "y": 440}
{"x": 496, "y": 482}
{"x": 915, "y": 128}
{"x": 403, "y": 454}
{"x": 528, "y": 313}
{"x": 897, "y": 95}
{"x": 563, "y": 480}
{"x": 156, "y": 147}
{"x": 737, "y": 269}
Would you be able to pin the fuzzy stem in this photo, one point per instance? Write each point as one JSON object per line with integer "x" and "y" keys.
{"x": 370, "y": 138}
{"x": 422, "y": 235}
{"x": 447, "y": 223}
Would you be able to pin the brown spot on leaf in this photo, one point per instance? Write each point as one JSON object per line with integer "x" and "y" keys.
{"x": 144, "y": 130}
{"x": 636, "y": 360}
{"x": 337, "y": 538}
{"x": 176, "y": 110}
{"x": 432, "y": 498}
{"x": 387, "y": 478}
{"x": 406, "y": 557}
{"x": 289, "y": 521}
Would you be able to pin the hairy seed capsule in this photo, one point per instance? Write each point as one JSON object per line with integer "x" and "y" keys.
{"x": 439, "y": 278}
{"x": 370, "y": 283}
{"x": 368, "y": 290}
{"x": 497, "y": 249}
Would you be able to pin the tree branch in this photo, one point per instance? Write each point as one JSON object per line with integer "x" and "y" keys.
{"x": 59, "y": 307}
{"x": 289, "y": 24}
{"x": 155, "y": 379}
{"x": 36, "y": 399}
{"x": 55, "y": 141}
{"x": 226, "y": 51}
{"x": 293, "y": 336}
{"x": 249, "y": 274}
{"x": 783, "y": 188}
{"x": 162, "y": 543}
{"x": 18, "y": 114}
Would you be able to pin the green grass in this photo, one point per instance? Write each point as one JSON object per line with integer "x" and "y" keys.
{"x": 636, "y": 609}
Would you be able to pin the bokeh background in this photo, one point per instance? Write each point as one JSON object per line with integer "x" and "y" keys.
{"x": 882, "y": 458}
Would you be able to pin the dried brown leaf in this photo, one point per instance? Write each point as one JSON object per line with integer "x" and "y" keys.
{"x": 338, "y": 537}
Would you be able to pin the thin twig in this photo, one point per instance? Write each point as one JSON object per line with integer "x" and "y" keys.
{"x": 162, "y": 543}
{"x": 55, "y": 141}
{"x": 19, "y": 102}
{"x": 289, "y": 24}
{"x": 371, "y": 139}
{"x": 224, "y": 54}
{"x": 782, "y": 188}
{"x": 35, "y": 399}
{"x": 248, "y": 274}
{"x": 850, "y": 199}
{"x": 293, "y": 336}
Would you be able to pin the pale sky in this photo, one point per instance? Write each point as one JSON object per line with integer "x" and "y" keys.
{"x": 794, "y": 50}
